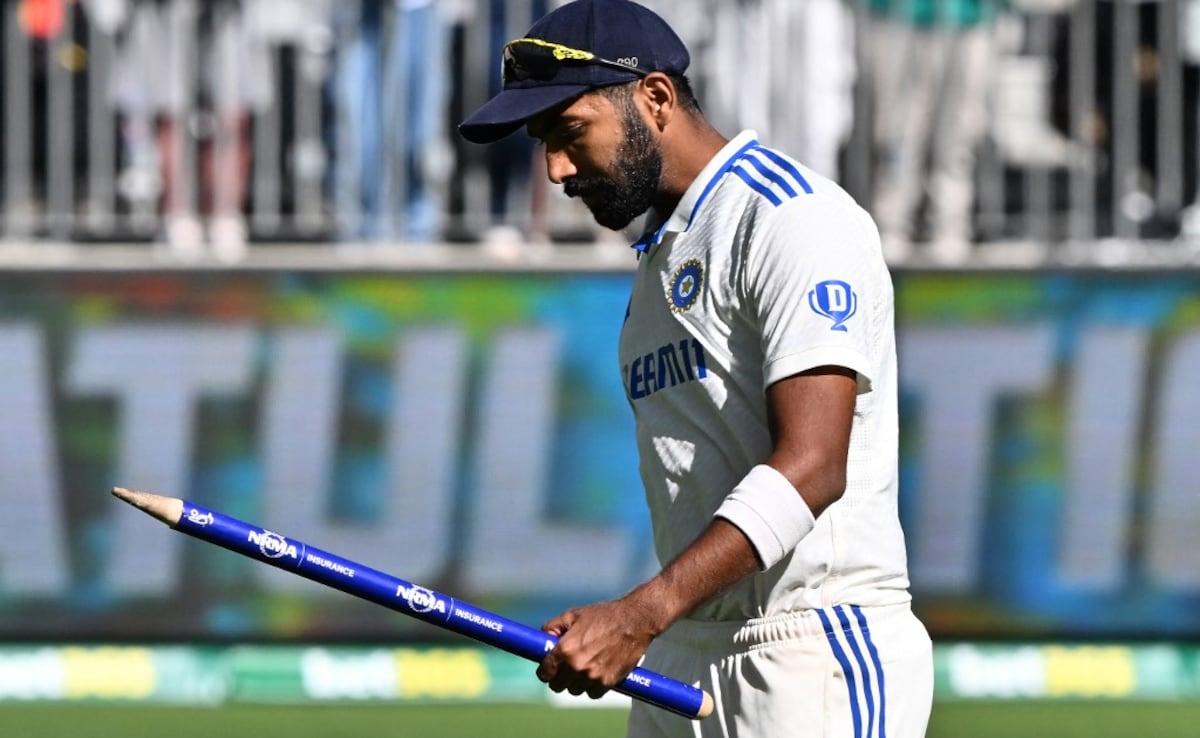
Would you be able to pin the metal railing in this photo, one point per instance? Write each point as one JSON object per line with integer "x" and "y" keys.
{"x": 181, "y": 122}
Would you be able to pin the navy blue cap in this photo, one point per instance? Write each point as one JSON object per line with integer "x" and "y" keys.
{"x": 620, "y": 30}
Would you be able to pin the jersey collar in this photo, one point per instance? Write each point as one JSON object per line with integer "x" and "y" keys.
{"x": 693, "y": 199}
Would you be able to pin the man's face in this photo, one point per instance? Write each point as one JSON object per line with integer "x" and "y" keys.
{"x": 603, "y": 152}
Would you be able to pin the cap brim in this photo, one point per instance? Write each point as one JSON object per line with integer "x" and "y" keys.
{"x": 509, "y": 110}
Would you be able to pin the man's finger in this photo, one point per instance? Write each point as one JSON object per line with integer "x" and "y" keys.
{"x": 548, "y": 669}
{"x": 560, "y": 624}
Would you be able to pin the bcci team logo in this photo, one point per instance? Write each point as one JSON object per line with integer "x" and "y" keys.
{"x": 686, "y": 284}
{"x": 835, "y": 300}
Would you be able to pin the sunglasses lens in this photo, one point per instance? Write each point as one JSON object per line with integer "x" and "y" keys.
{"x": 529, "y": 61}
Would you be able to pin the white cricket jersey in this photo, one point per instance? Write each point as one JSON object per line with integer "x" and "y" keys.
{"x": 764, "y": 270}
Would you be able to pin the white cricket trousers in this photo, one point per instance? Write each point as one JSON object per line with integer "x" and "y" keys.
{"x": 839, "y": 672}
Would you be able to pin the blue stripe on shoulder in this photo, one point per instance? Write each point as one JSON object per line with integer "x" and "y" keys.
{"x": 772, "y": 175}
{"x": 757, "y": 186}
{"x": 787, "y": 166}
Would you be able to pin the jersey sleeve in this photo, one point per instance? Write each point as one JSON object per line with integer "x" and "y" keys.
{"x": 816, "y": 286}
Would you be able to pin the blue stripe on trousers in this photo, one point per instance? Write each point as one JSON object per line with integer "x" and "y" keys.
{"x": 874, "y": 652}
{"x": 851, "y": 683}
{"x": 862, "y": 666}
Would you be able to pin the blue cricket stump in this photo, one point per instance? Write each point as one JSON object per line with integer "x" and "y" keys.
{"x": 396, "y": 594}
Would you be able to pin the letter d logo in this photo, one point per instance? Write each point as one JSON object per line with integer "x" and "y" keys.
{"x": 835, "y": 300}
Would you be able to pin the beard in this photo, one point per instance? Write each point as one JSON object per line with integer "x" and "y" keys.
{"x": 617, "y": 200}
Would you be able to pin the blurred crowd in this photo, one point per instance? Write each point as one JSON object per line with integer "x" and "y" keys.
{"x": 204, "y": 126}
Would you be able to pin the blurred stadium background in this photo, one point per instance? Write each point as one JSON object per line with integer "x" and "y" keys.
{"x": 244, "y": 259}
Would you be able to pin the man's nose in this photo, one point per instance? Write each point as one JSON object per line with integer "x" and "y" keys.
{"x": 559, "y": 166}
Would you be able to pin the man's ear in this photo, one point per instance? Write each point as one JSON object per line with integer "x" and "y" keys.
{"x": 659, "y": 94}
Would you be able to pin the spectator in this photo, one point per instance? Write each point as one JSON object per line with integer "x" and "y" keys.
{"x": 389, "y": 92}
{"x": 807, "y": 111}
{"x": 1190, "y": 218}
{"x": 37, "y": 25}
{"x": 1129, "y": 199}
{"x": 510, "y": 162}
{"x": 930, "y": 67}
{"x": 41, "y": 19}
{"x": 191, "y": 74}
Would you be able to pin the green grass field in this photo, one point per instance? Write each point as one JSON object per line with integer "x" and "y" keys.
{"x": 951, "y": 720}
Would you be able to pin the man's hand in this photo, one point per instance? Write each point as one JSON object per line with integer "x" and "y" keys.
{"x": 598, "y": 645}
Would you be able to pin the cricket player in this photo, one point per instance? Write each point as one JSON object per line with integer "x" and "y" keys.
{"x": 758, "y": 355}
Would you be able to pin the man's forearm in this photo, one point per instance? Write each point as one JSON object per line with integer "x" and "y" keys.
{"x": 720, "y": 557}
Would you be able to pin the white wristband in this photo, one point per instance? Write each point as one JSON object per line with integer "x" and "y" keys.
{"x": 769, "y": 510}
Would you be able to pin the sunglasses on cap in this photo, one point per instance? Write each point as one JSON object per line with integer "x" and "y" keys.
{"x": 533, "y": 58}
